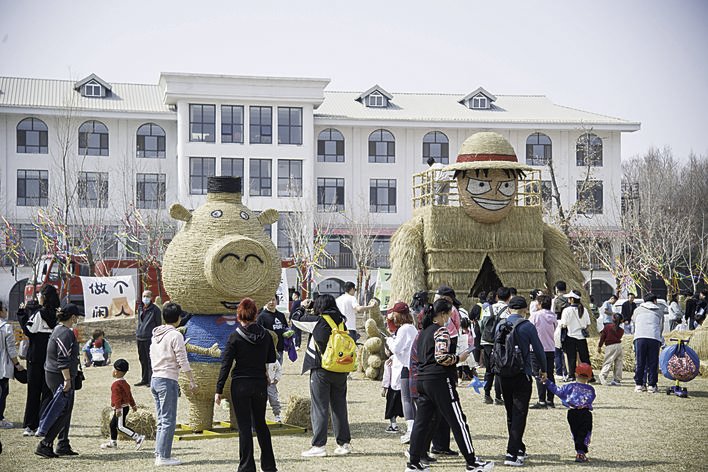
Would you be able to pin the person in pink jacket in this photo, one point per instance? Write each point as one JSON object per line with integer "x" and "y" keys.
{"x": 168, "y": 356}
{"x": 545, "y": 322}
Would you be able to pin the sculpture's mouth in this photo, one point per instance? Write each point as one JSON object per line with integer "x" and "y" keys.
{"x": 230, "y": 305}
{"x": 228, "y": 319}
{"x": 491, "y": 205}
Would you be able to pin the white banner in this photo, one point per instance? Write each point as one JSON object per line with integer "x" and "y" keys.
{"x": 108, "y": 298}
{"x": 382, "y": 290}
{"x": 283, "y": 293}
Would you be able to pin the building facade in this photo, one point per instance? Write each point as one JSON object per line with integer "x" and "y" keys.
{"x": 296, "y": 145}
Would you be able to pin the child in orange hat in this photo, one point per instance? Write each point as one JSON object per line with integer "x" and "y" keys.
{"x": 578, "y": 397}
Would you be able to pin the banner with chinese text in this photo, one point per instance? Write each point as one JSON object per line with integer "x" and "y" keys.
{"x": 109, "y": 298}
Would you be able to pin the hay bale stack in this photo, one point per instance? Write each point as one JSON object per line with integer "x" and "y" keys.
{"x": 372, "y": 353}
{"x": 141, "y": 421}
{"x": 297, "y": 413}
{"x": 628, "y": 359}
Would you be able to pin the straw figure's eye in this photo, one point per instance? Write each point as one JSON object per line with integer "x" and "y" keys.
{"x": 507, "y": 188}
{"x": 217, "y": 214}
{"x": 244, "y": 215}
{"x": 341, "y": 354}
{"x": 478, "y": 187}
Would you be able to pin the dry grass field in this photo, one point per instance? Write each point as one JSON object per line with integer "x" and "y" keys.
{"x": 631, "y": 431}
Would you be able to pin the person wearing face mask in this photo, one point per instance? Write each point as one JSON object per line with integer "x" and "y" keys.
{"x": 61, "y": 368}
{"x": 438, "y": 398}
{"x": 149, "y": 318}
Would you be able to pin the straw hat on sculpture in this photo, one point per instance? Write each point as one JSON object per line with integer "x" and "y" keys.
{"x": 488, "y": 237}
{"x": 220, "y": 256}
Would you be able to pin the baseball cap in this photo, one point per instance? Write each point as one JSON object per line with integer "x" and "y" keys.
{"x": 584, "y": 369}
{"x": 445, "y": 291}
{"x": 121, "y": 365}
{"x": 517, "y": 303}
{"x": 399, "y": 307}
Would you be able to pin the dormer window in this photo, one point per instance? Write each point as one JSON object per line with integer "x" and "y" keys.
{"x": 480, "y": 102}
{"x": 376, "y": 100}
{"x": 92, "y": 89}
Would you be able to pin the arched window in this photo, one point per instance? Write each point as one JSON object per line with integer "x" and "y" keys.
{"x": 436, "y": 146}
{"x": 32, "y": 136}
{"x": 538, "y": 149}
{"x": 93, "y": 139}
{"x": 151, "y": 141}
{"x": 382, "y": 147}
{"x": 330, "y": 146}
{"x": 588, "y": 150}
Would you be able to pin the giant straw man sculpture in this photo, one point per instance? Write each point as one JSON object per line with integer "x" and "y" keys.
{"x": 487, "y": 240}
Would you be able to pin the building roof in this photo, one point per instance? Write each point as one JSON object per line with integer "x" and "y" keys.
{"x": 446, "y": 108}
{"x": 88, "y": 79}
{"x": 476, "y": 92}
{"x": 375, "y": 88}
{"x": 18, "y": 92}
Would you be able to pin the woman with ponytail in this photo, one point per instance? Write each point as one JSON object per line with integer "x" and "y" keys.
{"x": 437, "y": 392}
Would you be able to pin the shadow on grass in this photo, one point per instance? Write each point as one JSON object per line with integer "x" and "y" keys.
{"x": 559, "y": 461}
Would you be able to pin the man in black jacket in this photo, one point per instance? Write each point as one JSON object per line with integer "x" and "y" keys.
{"x": 628, "y": 308}
{"x": 149, "y": 318}
{"x": 270, "y": 318}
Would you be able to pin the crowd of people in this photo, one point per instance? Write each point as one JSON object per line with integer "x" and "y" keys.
{"x": 432, "y": 345}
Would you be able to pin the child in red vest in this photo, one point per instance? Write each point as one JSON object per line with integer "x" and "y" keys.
{"x": 121, "y": 402}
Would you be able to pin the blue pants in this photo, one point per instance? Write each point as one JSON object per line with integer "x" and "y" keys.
{"x": 165, "y": 392}
{"x": 647, "y": 356}
{"x": 559, "y": 362}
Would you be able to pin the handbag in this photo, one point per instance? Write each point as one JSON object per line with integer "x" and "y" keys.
{"x": 79, "y": 380}
{"x": 585, "y": 332}
{"x": 20, "y": 375}
{"x": 24, "y": 349}
{"x": 564, "y": 335}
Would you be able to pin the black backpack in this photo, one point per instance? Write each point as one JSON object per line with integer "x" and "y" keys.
{"x": 490, "y": 326}
{"x": 507, "y": 359}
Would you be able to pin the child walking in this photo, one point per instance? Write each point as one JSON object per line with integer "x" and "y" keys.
{"x": 394, "y": 405}
{"x": 274, "y": 371}
{"x": 121, "y": 402}
{"x": 578, "y": 397}
{"x": 611, "y": 337}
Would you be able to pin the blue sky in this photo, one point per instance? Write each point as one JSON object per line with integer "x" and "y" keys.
{"x": 641, "y": 60}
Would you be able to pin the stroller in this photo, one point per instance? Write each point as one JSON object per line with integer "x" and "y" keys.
{"x": 680, "y": 363}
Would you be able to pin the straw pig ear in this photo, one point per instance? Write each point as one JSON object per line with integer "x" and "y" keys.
{"x": 178, "y": 212}
{"x": 268, "y": 217}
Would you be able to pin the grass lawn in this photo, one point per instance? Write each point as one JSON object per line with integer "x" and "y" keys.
{"x": 631, "y": 431}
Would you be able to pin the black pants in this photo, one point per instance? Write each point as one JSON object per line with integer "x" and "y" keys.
{"x": 38, "y": 394}
{"x": 329, "y": 389}
{"x": 580, "y": 422}
{"x": 489, "y": 376}
{"x": 297, "y": 336}
{"x": 438, "y": 401}
{"x": 544, "y": 395}
{"x": 575, "y": 348}
{"x": 249, "y": 397}
{"x": 4, "y": 391}
{"x": 62, "y": 424}
{"x": 118, "y": 423}
{"x": 144, "y": 356}
{"x": 517, "y": 393}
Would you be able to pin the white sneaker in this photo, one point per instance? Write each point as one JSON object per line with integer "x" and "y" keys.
{"x": 510, "y": 461}
{"x": 139, "y": 442}
{"x": 406, "y": 438}
{"x": 278, "y": 419}
{"x": 110, "y": 445}
{"x": 166, "y": 462}
{"x": 4, "y": 424}
{"x": 315, "y": 451}
{"x": 27, "y": 432}
{"x": 652, "y": 390}
{"x": 638, "y": 389}
{"x": 343, "y": 450}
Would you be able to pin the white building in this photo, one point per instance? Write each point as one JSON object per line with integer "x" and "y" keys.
{"x": 293, "y": 142}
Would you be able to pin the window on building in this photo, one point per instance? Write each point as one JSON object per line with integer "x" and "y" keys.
{"x": 289, "y": 178}
{"x": 289, "y": 125}
{"x": 589, "y": 194}
{"x": 260, "y": 178}
{"x": 538, "y": 149}
{"x": 32, "y": 136}
{"x": 150, "y": 141}
{"x": 200, "y": 169}
{"x": 376, "y": 99}
{"x": 480, "y": 102}
{"x": 93, "y": 89}
{"x": 382, "y": 196}
{"x": 437, "y": 146}
{"x": 381, "y": 247}
{"x": 231, "y": 124}
{"x": 330, "y": 194}
{"x": 330, "y": 146}
{"x": 151, "y": 191}
{"x": 93, "y": 139}
{"x": 382, "y": 147}
{"x": 93, "y": 190}
{"x": 285, "y": 248}
{"x": 588, "y": 151}
{"x": 232, "y": 167}
{"x": 260, "y": 126}
{"x": 32, "y": 187}
{"x": 341, "y": 256}
{"x": 202, "y": 123}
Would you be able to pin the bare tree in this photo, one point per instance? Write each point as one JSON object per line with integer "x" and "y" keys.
{"x": 359, "y": 239}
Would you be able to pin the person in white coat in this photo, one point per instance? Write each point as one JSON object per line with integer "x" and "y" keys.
{"x": 648, "y": 320}
{"x": 576, "y": 319}
{"x": 8, "y": 363}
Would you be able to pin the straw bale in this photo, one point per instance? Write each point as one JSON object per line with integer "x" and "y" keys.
{"x": 297, "y": 413}
{"x": 375, "y": 315}
{"x": 201, "y": 402}
{"x": 373, "y": 345}
{"x": 141, "y": 421}
{"x": 371, "y": 328}
{"x": 628, "y": 359}
{"x": 375, "y": 361}
{"x": 372, "y": 373}
{"x": 406, "y": 255}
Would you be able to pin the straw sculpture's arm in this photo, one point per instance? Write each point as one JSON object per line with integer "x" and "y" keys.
{"x": 408, "y": 260}
{"x": 212, "y": 351}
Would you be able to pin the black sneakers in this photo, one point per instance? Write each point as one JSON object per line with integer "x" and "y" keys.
{"x": 480, "y": 466}
{"x": 45, "y": 451}
{"x": 444, "y": 452}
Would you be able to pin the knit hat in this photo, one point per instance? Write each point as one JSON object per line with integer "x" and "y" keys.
{"x": 121, "y": 365}
{"x": 486, "y": 150}
{"x": 584, "y": 369}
